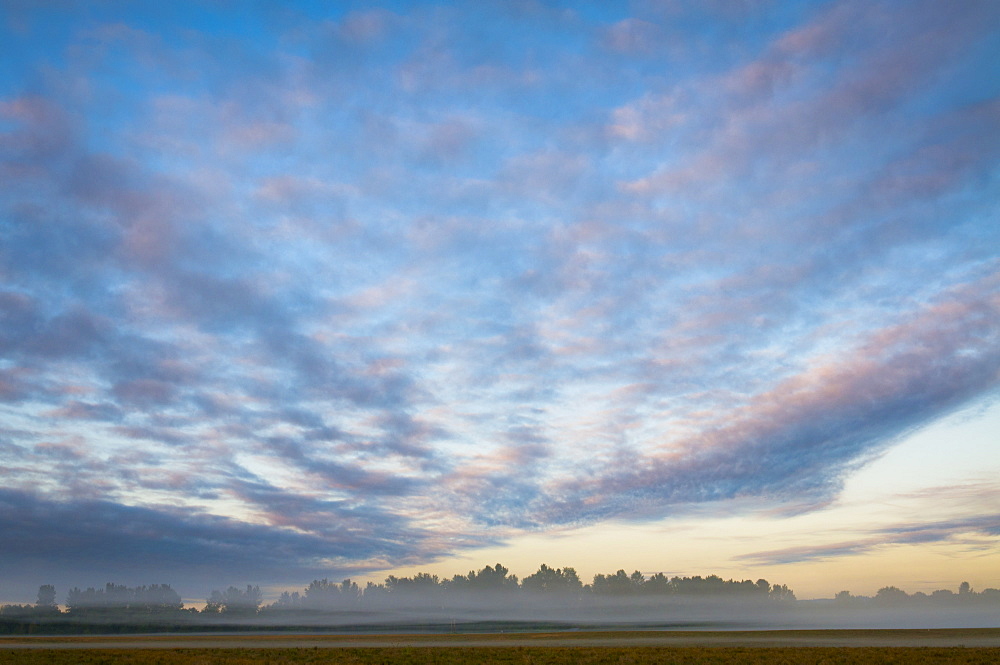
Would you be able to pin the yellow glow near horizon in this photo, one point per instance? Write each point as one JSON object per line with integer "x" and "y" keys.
{"x": 935, "y": 474}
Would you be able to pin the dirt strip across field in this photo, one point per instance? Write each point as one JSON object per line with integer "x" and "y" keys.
{"x": 979, "y": 637}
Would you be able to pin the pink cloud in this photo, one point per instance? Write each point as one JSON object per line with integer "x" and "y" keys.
{"x": 13, "y": 386}
{"x": 252, "y": 135}
{"x": 546, "y": 175}
{"x": 366, "y": 26}
{"x": 632, "y": 35}
{"x": 44, "y": 131}
{"x": 144, "y": 392}
{"x": 289, "y": 188}
{"x": 900, "y": 534}
{"x": 77, "y": 410}
{"x": 958, "y": 146}
{"x": 744, "y": 127}
{"x": 450, "y": 140}
{"x": 760, "y": 79}
{"x": 891, "y": 365}
{"x": 805, "y": 430}
{"x": 650, "y": 117}
{"x": 823, "y": 36}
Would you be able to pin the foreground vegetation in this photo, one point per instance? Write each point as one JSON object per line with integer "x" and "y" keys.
{"x": 535, "y": 655}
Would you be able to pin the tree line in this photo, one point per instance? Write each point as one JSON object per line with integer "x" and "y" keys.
{"x": 110, "y": 601}
{"x": 162, "y": 600}
{"x": 556, "y": 583}
{"x": 894, "y": 596}
{"x": 557, "y": 586}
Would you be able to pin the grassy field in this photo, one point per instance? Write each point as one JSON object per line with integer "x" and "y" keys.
{"x": 535, "y": 655}
{"x": 771, "y": 647}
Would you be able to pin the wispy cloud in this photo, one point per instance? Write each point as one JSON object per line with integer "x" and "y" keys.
{"x": 872, "y": 540}
{"x": 443, "y": 274}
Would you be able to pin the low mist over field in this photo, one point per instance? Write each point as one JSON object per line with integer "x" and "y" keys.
{"x": 492, "y": 600}
{"x": 296, "y": 291}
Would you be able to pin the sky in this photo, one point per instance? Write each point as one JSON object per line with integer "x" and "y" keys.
{"x": 304, "y": 289}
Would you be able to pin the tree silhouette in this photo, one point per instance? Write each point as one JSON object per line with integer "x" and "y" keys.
{"x": 46, "y": 597}
{"x": 890, "y": 595}
{"x": 323, "y": 594}
{"x": 553, "y": 580}
{"x": 782, "y": 592}
{"x": 234, "y": 601}
{"x": 490, "y": 578}
{"x": 421, "y": 583}
{"x": 120, "y": 600}
{"x": 619, "y": 584}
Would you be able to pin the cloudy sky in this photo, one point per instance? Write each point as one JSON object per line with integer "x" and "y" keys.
{"x": 309, "y": 289}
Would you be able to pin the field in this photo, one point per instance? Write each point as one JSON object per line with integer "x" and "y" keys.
{"x": 790, "y": 647}
{"x": 534, "y": 655}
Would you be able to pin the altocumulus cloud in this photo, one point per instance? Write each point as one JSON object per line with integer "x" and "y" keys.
{"x": 298, "y": 293}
